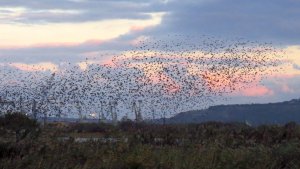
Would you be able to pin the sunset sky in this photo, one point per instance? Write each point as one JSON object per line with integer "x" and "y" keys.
{"x": 48, "y": 32}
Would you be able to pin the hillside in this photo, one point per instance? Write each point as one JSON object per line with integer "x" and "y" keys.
{"x": 252, "y": 114}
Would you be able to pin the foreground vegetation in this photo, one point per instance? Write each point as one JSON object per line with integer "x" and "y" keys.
{"x": 26, "y": 144}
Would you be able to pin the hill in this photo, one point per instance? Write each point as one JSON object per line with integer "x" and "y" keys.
{"x": 252, "y": 114}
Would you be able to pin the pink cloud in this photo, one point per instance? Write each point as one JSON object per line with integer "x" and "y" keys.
{"x": 37, "y": 67}
{"x": 284, "y": 76}
{"x": 286, "y": 89}
{"x": 257, "y": 91}
{"x": 137, "y": 28}
{"x": 92, "y": 42}
{"x": 68, "y": 44}
{"x": 41, "y": 45}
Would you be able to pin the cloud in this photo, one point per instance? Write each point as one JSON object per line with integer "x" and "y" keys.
{"x": 287, "y": 89}
{"x": 69, "y": 11}
{"x": 255, "y": 20}
{"x": 56, "y": 53}
{"x": 295, "y": 66}
{"x": 18, "y": 35}
{"x": 257, "y": 91}
{"x": 284, "y": 88}
{"x": 100, "y": 50}
{"x": 272, "y": 90}
{"x": 57, "y": 50}
{"x": 261, "y": 20}
{"x": 264, "y": 20}
{"x": 35, "y": 67}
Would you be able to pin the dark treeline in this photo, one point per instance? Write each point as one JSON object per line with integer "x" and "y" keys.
{"x": 26, "y": 144}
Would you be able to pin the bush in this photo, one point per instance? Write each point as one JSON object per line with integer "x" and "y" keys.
{"x": 20, "y": 124}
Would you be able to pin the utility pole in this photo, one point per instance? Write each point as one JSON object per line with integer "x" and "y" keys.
{"x": 4, "y": 102}
{"x": 79, "y": 110}
{"x": 45, "y": 93}
{"x": 113, "y": 111}
{"x": 20, "y": 104}
{"x": 101, "y": 113}
{"x": 136, "y": 107}
{"x": 59, "y": 112}
{"x": 152, "y": 110}
{"x": 139, "y": 109}
{"x": 59, "y": 109}
{"x": 34, "y": 109}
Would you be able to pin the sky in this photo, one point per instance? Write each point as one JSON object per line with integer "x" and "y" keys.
{"x": 48, "y": 32}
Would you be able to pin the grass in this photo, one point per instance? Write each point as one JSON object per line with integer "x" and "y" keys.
{"x": 200, "y": 146}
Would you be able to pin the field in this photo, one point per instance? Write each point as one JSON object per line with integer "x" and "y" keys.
{"x": 26, "y": 144}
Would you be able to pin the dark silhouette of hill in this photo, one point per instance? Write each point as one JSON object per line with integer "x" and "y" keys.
{"x": 252, "y": 114}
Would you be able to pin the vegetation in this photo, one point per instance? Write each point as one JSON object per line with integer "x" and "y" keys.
{"x": 19, "y": 124}
{"x": 129, "y": 145}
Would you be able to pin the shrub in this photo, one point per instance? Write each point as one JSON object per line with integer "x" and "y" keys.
{"x": 20, "y": 124}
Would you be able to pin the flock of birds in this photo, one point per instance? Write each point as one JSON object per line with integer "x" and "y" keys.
{"x": 157, "y": 79}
